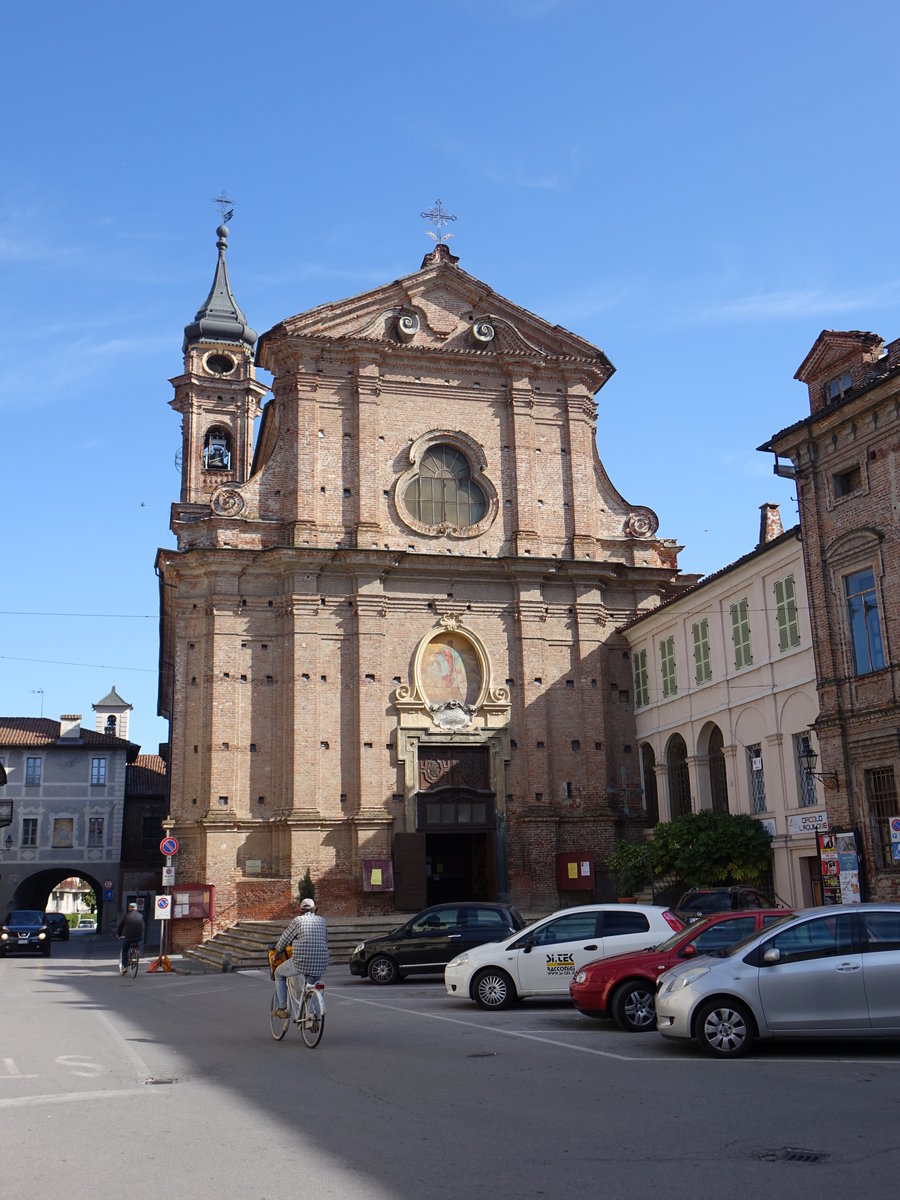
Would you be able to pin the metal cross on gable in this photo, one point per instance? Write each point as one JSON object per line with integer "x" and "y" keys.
{"x": 438, "y": 218}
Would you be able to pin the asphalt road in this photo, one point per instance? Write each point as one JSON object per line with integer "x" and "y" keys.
{"x": 172, "y": 1086}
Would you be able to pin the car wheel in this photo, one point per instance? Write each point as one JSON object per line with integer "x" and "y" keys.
{"x": 383, "y": 969}
{"x": 633, "y": 1006}
{"x": 493, "y": 988}
{"x": 724, "y": 1028}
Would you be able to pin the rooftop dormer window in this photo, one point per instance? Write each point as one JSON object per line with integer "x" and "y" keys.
{"x": 835, "y": 388}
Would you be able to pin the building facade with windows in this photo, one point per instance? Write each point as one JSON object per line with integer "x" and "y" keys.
{"x": 845, "y": 458}
{"x": 63, "y": 802}
{"x": 725, "y": 703}
{"x": 389, "y": 647}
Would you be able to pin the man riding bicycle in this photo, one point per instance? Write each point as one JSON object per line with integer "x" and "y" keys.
{"x": 309, "y": 936}
{"x": 131, "y": 928}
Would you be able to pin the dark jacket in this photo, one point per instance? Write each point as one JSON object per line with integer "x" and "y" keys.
{"x": 131, "y": 926}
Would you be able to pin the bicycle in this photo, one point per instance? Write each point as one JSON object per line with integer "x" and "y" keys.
{"x": 306, "y": 1011}
{"x": 132, "y": 962}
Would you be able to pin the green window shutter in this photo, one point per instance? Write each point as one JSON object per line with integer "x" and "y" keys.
{"x": 702, "y": 671}
{"x": 641, "y": 692}
{"x": 667, "y": 666}
{"x": 698, "y": 654}
{"x": 736, "y": 636}
{"x": 740, "y": 634}
{"x": 790, "y": 600}
{"x": 781, "y": 614}
{"x": 745, "y": 631}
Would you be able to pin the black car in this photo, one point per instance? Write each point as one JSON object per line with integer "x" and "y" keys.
{"x": 59, "y": 926}
{"x": 701, "y": 901}
{"x": 427, "y": 942}
{"x": 25, "y": 929}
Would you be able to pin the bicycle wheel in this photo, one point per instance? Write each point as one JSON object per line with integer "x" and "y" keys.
{"x": 278, "y": 1025}
{"x": 133, "y": 961}
{"x": 312, "y": 1019}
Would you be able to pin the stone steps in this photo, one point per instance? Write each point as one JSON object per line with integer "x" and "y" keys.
{"x": 245, "y": 945}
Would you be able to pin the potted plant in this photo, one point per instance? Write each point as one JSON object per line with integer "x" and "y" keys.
{"x": 629, "y": 865}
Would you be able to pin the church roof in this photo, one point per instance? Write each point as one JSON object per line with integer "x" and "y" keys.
{"x": 440, "y": 309}
{"x": 219, "y": 319}
{"x": 112, "y": 700}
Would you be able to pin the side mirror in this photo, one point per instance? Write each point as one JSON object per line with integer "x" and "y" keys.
{"x": 772, "y": 955}
{"x": 528, "y": 946}
{"x": 689, "y": 951}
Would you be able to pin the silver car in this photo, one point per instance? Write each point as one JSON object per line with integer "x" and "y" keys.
{"x": 825, "y": 972}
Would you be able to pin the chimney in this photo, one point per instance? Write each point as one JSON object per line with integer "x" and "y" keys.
{"x": 70, "y": 726}
{"x": 770, "y": 526}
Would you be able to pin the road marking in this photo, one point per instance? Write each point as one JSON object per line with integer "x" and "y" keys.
{"x": 144, "y": 1072}
{"x": 514, "y": 1033}
{"x": 536, "y": 1037}
{"x": 70, "y": 1097}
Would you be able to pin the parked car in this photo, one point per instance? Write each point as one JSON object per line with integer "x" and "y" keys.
{"x": 623, "y": 987}
{"x": 540, "y": 960}
{"x": 825, "y": 972}
{"x": 58, "y": 926}
{"x": 25, "y": 929}
{"x": 701, "y": 901}
{"x": 426, "y": 942}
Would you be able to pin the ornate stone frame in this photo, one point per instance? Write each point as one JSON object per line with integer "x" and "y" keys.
{"x": 477, "y": 460}
{"x": 412, "y": 700}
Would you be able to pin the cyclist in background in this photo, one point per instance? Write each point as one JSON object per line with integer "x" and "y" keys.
{"x": 309, "y": 936}
{"x": 131, "y": 928}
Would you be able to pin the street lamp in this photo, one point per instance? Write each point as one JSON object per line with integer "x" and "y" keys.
{"x": 808, "y": 759}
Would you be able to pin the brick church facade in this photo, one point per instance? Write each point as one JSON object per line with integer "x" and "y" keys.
{"x": 389, "y": 648}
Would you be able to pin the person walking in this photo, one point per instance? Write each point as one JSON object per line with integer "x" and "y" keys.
{"x": 308, "y": 935}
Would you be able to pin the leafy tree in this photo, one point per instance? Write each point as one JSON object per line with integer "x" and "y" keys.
{"x": 306, "y": 889}
{"x": 711, "y": 847}
{"x": 629, "y": 865}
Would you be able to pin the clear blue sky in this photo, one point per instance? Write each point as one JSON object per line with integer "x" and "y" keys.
{"x": 698, "y": 188}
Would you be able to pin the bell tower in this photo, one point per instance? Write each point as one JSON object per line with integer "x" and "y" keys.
{"x": 218, "y": 395}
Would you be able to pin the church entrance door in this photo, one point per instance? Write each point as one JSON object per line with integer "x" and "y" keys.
{"x": 455, "y": 811}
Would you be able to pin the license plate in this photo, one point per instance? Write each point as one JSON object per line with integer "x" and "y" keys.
{"x": 23, "y": 940}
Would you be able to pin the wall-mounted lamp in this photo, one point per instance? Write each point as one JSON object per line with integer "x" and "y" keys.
{"x": 808, "y": 759}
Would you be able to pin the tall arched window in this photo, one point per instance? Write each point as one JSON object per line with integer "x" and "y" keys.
{"x": 651, "y": 796}
{"x": 443, "y": 492}
{"x": 678, "y": 777}
{"x": 718, "y": 784}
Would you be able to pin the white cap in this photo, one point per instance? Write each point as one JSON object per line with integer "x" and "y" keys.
{"x": 307, "y": 905}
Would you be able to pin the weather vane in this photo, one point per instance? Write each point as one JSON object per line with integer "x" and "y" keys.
{"x": 438, "y": 218}
{"x": 224, "y": 206}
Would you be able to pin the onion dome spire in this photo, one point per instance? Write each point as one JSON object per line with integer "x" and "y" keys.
{"x": 219, "y": 319}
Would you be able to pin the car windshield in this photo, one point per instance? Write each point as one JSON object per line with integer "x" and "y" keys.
{"x": 25, "y": 917}
{"x": 707, "y": 902}
{"x": 676, "y": 939}
{"x": 739, "y": 946}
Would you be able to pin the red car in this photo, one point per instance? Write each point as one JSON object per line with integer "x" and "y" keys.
{"x": 624, "y": 987}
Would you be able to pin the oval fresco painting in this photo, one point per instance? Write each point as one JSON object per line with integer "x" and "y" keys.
{"x": 449, "y": 670}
